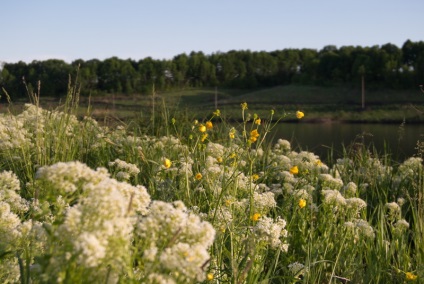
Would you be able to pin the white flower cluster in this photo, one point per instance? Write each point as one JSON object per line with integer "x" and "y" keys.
{"x": 221, "y": 217}
{"x": 361, "y": 228}
{"x": 393, "y": 210}
{"x": 9, "y": 188}
{"x": 283, "y": 145}
{"x": 356, "y": 203}
{"x": 297, "y": 269}
{"x": 401, "y": 225}
{"x": 9, "y": 225}
{"x": 263, "y": 202}
{"x": 177, "y": 242}
{"x": 333, "y": 197}
{"x": 67, "y": 178}
{"x": 329, "y": 181}
{"x": 124, "y": 170}
{"x": 307, "y": 161}
{"x": 411, "y": 168}
{"x": 350, "y": 189}
{"x": 13, "y": 135}
{"x": 272, "y": 232}
{"x": 96, "y": 231}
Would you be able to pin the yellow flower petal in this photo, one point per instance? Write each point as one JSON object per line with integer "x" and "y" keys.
{"x": 167, "y": 163}
{"x": 255, "y": 217}
{"x": 299, "y": 114}
{"x": 294, "y": 170}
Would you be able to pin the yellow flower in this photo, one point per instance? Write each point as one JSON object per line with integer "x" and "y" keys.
{"x": 209, "y": 276}
{"x": 255, "y": 217}
{"x": 318, "y": 163}
{"x": 219, "y": 160}
{"x": 294, "y": 170}
{"x": 167, "y": 163}
{"x": 204, "y": 136}
{"x": 302, "y": 203}
{"x": 232, "y": 133}
{"x": 254, "y": 135}
{"x": 299, "y": 114}
{"x": 258, "y": 121}
{"x": 209, "y": 124}
{"x": 243, "y": 106}
{"x": 202, "y": 128}
{"x": 255, "y": 177}
{"x": 233, "y": 155}
{"x": 217, "y": 112}
{"x": 198, "y": 176}
{"x": 410, "y": 276}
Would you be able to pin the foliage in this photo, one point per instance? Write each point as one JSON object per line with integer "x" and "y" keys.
{"x": 386, "y": 65}
{"x": 207, "y": 202}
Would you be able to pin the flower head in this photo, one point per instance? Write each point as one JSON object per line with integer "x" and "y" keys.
{"x": 209, "y": 276}
{"x": 198, "y": 176}
{"x": 204, "y": 136}
{"x": 209, "y": 124}
{"x": 167, "y": 163}
{"x": 254, "y": 135}
{"x": 243, "y": 106}
{"x": 294, "y": 170}
{"x": 232, "y": 133}
{"x": 202, "y": 128}
{"x": 299, "y": 114}
{"x": 255, "y": 217}
{"x": 302, "y": 203}
{"x": 410, "y": 276}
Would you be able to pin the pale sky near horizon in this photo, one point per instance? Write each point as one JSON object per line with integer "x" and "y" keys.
{"x": 162, "y": 29}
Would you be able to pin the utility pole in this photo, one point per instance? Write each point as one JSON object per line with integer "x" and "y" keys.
{"x": 153, "y": 107}
{"x": 363, "y": 92}
{"x": 362, "y": 73}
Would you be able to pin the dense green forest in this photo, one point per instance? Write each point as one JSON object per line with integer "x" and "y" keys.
{"x": 386, "y": 66}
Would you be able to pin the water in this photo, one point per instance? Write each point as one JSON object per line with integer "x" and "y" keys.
{"x": 318, "y": 138}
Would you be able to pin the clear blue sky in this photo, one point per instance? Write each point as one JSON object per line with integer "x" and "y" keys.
{"x": 161, "y": 29}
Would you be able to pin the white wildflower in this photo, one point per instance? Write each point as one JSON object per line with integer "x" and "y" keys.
{"x": 364, "y": 228}
{"x": 402, "y": 225}
{"x": 356, "y": 203}
{"x": 350, "y": 189}
{"x": 91, "y": 250}
{"x": 297, "y": 269}
{"x": 283, "y": 145}
{"x": 333, "y": 197}
{"x": 271, "y": 232}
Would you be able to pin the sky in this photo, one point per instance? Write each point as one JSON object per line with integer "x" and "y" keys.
{"x": 161, "y": 29}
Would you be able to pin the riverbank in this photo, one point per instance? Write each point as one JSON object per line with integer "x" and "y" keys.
{"x": 320, "y": 104}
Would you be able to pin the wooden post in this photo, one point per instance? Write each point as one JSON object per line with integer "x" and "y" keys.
{"x": 363, "y": 92}
{"x": 153, "y": 107}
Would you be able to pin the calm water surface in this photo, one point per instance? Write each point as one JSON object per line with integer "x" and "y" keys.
{"x": 400, "y": 141}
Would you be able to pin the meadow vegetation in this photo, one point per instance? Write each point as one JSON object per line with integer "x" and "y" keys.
{"x": 187, "y": 200}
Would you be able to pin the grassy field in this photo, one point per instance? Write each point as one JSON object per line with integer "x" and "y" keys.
{"x": 319, "y": 103}
{"x": 195, "y": 201}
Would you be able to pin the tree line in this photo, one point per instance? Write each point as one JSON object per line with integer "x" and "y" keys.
{"x": 385, "y": 66}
